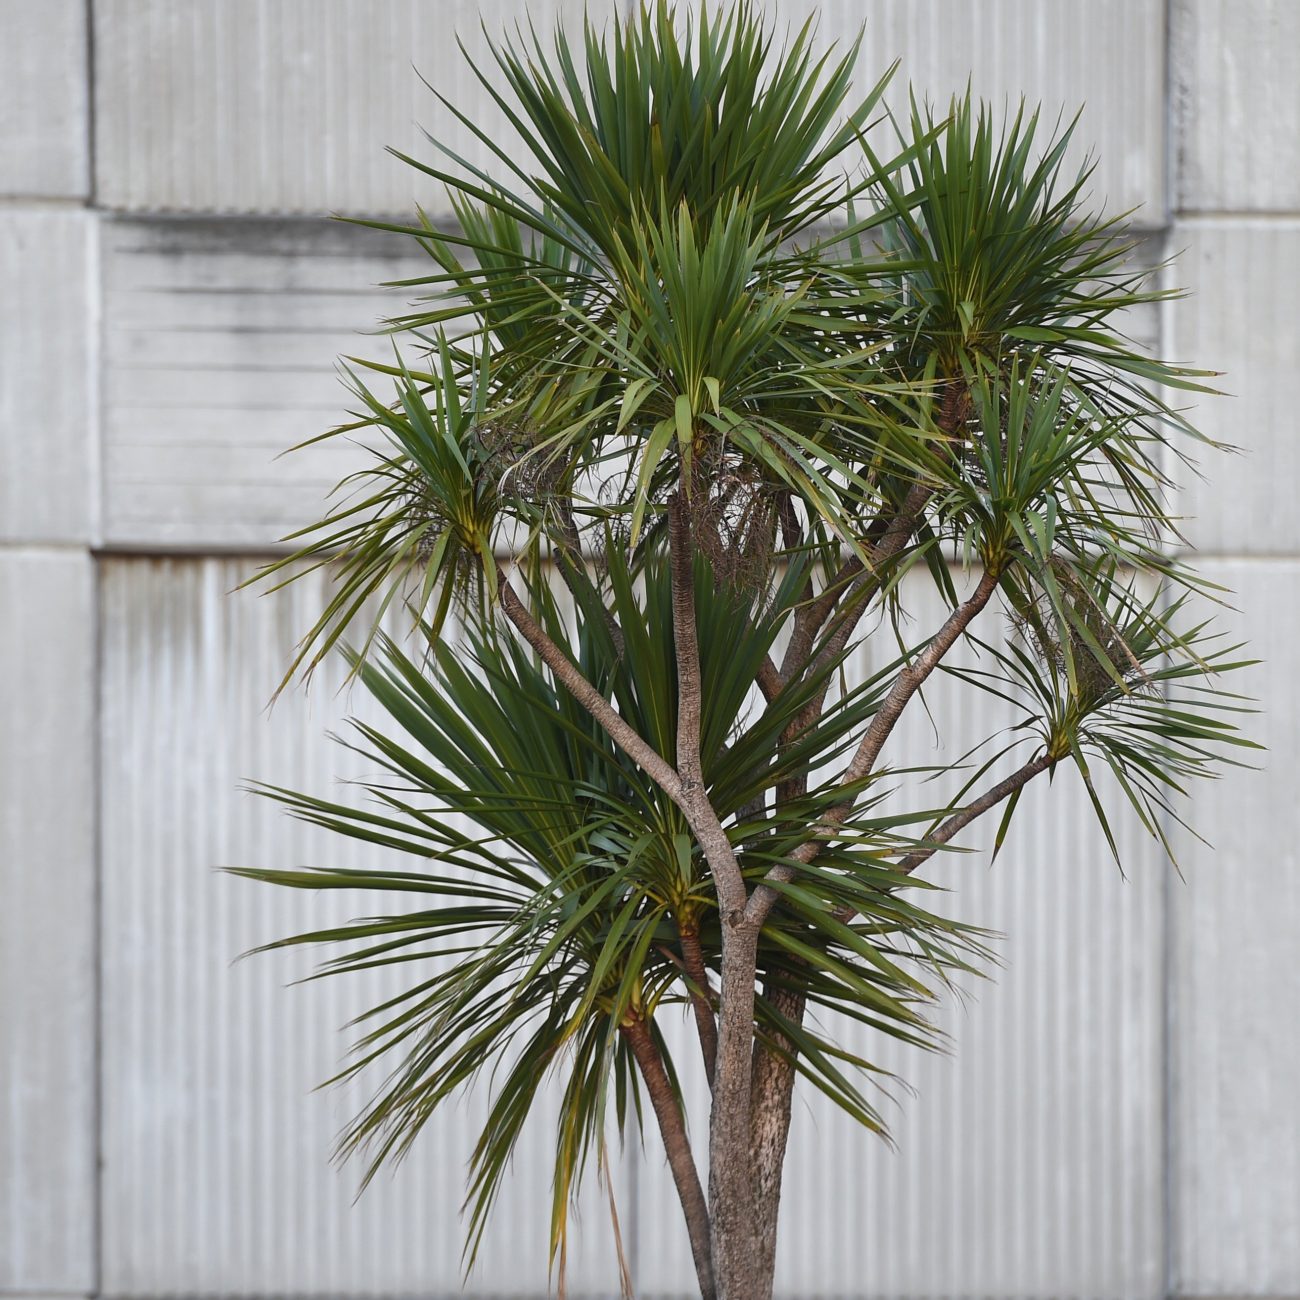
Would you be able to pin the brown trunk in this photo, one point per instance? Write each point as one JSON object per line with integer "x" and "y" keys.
{"x": 672, "y": 1126}
{"x": 773, "y": 1095}
{"x": 701, "y": 1000}
{"x": 735, "y": 1254}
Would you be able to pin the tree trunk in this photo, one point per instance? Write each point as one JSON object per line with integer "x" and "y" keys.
{"x": 736, "y": 1261}
{"x": 773, "y": 1096}
{"x": 672, "y": 1125}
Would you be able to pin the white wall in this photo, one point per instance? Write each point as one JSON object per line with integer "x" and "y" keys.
{"x": 1117, "y": 1118}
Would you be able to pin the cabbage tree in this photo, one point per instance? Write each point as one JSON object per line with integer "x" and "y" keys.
{"x": 699, "y": 390}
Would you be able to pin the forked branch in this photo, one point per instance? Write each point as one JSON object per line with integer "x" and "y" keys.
{"x": 909, "y": 680}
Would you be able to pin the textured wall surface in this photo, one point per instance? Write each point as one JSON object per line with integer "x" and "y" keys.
{"x": 49, "y": 491}
{"x": 1028, "y": 1161}
{"x": 1241, "y": 317}
{"x": 1117, "y": 1117}
{"x": 47, "y": 922}
{"x": 44, "y": 90}
{"x": 1055, "y": 1063}
{"x": 1104, "y": 59}
{"x": 1236, "y": 101}
{"x": 221, "y": 347}
{"x": 288, "y": 105}
{"x": 1236, "y": 1171}
{"x": 216, "y": 1175}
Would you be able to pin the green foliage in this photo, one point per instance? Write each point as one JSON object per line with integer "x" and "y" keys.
{"x": 551, "y": 879}
{"x": 706, "y": 288}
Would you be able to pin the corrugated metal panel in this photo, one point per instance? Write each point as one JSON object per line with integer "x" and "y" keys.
{"x": 1236, "y": 84}
{"x": 247, "y": 105}
{"x": 1029, "y": 1165}
{"x": 220, "y": 347}
{"x": 1240, "y": 318}
{"x": 216, "y": 1174}
{"x": 288, "y": 105}
{"x": 1028, "y": 1162}
{"x": 47, "y": 427}
{"x": 47, "y": 925}
{"x": 1235, "y": 1174}
{"x": 44, "y": 127}
{"x": 1104, "y": 56}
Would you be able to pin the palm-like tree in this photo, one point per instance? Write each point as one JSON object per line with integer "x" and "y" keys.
{"x": 729, "y": 375}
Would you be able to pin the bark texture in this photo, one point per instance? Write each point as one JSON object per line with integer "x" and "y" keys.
{"x": 672, "y": 1126}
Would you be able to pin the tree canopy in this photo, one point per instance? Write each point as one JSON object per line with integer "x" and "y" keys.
{"x": 702, "y": 380}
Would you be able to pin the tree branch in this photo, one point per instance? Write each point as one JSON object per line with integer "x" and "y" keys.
{"x": 963, "y": 818}
{"x": 769, "y": 679}
{"x": 672, "y": 1126}
{"x": 993, "y": 796}
{"x": 867, "y": 582}
{"x": 568, "y": 675}
{"x": 912, "y": 677}
{"x": 706, "y": 1024}
{"x": 694, "y": 801}
{"x": 906, "y": 684}
{"x": 773, "y": 1095}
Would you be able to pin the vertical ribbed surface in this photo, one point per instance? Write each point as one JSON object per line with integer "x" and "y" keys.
{"x": 221, "y": 346}
{"x": 47, "y": 920}
{"x": 1028, "y": 1161}
{"x": 1241, "y": 319}
{"x": 47, "y": 451}
{"x": 216, "y": 1174}
{"x": 44, "y": 140}
{"x": 288, "y": 105}
{"x": 1104, "y": 56}
{"x": 1236, "y": 83}
{"x": 1235, "y": 1175}
{"x": 1031, "y": 1162}
{"x": 285, "y": 105}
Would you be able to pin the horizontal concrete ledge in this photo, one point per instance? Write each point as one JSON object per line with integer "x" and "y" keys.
{"x": 1228, "y": 217}
{"x": 45, "y": 1295}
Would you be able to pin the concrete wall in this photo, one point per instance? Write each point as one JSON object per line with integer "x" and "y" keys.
{"x": 1118, "y": 1116}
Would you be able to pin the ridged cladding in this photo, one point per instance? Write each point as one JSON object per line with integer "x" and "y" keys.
{"x": 289, "y": 105}
{"x": 1236, "y": 85}
{"x": 286, "y": 106}
{"x": 216, "y": 1172}
{"x": 220, "y": 343}
{"x": 1029, "y": 1165}
{"x": 1027, "y": 1161}
{"x": 1235, "y": 1173}
{"x": 47, "y": 921}
{"x": 1240, "y": 319}
{"x": 1104, "y": 57}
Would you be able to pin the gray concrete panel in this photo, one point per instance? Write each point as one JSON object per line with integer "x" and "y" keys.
{"x": 48, "y": 454}
{"x": 44, "y": 122}
{"x": 47, "y": 927}
{"x": 1104, "y": 57}
{"x": 1236, "y": 104}
{"x": 221, "y": 352}
{"x": 1027, "y": 1161}
{"x": 289, "y": 105}
{"x": 250, "y": 106}
{"x": 1240, "y": 318}
{"x": 217, "y": 1175}
{"x": 1235, "y": 1068}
